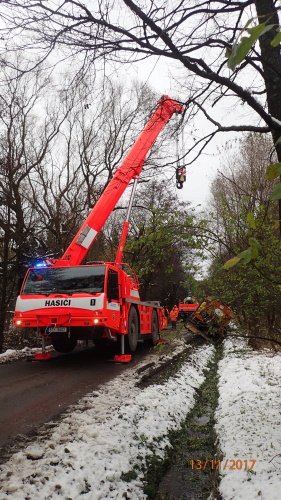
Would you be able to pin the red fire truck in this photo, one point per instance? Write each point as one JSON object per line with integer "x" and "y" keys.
{"x": 68, "y": 301}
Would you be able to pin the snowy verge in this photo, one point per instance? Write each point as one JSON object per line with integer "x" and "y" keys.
{"x": 89, "y": 452}
{"x": 15, "y": 354}
{"x": 248, "y": 422}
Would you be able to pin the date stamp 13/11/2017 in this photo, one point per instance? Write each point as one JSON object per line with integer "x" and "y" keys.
{"x": 221, "y": 465}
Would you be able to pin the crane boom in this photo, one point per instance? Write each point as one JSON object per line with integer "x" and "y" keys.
{"x": 129, "y": 169}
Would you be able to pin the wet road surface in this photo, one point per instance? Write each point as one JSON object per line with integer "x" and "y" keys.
{"x": 33, "y": 392}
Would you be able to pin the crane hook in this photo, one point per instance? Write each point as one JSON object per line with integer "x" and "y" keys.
{"x": 180, "y": 177}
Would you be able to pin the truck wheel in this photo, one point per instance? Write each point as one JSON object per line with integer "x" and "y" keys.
{"x": 63, "y": 344}
{"x": 154, "y": 329}
{"x": 133, "y": 330}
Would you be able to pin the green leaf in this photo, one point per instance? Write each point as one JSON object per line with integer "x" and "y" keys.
{"x": 276, "y": 192}
{"x": 276, "y": 40}
{"x": 239, "y": 51}
{"x": 255, "y": 247}
{"x": 259, "y": 30}
{"x": 246, "y": 256}
{"x": 231, "y": 262}
{"x": 228, "y": 52}
{"x": 273, "y": 171}
{"x": 250, "y": 219}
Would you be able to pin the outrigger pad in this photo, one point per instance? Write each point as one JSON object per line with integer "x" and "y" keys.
{"x": 123, "y": 358}
{"x": 42, "y": 355}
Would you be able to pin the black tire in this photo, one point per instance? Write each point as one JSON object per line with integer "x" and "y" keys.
{"x": 131, "y": 339}
{"x": 154, "y": 328}
{"x": 63, "y": 344}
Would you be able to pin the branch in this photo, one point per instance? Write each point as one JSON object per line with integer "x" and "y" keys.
{"x": 200, "y": 68}
{"x": 235, "y": 335}
{"x": 232, "y": 128}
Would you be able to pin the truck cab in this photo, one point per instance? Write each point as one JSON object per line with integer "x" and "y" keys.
{"x": 87, "y": 302}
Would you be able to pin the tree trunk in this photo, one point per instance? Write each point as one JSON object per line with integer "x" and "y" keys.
{"x": 4, "y": 286}
{"x": 271, "y": 62}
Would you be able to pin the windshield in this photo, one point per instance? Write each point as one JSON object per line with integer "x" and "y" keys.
{"x": 49, "y": 280}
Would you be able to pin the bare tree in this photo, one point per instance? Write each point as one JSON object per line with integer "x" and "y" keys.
{"x": 25, "y": 140}
{"x": 107, "y": 125}
{"x": 195, "y": 34}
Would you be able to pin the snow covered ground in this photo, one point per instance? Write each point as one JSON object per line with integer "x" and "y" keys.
{"x": 249, "y": 422}
{"x": 100, "y": 448}
{"x": 107, "y": 436}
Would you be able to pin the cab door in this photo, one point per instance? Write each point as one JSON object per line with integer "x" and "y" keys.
{"x": 113, "y": 298}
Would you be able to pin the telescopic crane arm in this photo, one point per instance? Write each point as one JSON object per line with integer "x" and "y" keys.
{"x": 129, "y": 169}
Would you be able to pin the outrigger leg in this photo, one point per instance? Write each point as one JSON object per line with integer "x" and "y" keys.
{"x": 123, "y": 358}
{"x": 43, "y": 354}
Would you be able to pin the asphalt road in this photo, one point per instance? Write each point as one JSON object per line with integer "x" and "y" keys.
{"x": 33, "y": 392}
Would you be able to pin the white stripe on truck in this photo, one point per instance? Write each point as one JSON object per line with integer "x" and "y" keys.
{"x": 89, "y": 303}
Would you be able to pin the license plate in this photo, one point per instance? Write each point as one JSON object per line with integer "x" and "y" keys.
{"x": 55, "y": 329}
